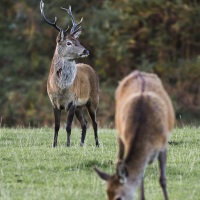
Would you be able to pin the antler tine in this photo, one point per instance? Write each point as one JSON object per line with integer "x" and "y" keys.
{"x": 74, "y": 25}
{"x": 50, "y": 23}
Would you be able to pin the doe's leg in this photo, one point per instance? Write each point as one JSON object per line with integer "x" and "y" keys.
{"x": 142, "y": 197}
{"x": 120, "y": 153}
{"x": 162, "y": 159}
{"x": 69, "y": 123}
{"x": 57, "y": 113}
{"x": 80, "y": 116}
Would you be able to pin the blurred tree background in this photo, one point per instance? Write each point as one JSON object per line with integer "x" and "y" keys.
{"x": 157, "y": 36}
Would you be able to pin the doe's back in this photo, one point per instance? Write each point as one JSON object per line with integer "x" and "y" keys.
{"x": 142, "y": 105}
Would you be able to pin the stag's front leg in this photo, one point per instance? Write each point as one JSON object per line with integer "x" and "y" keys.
{"x": 69, "y": 123}
{"x": 57, "y": 125}
{"x": 162, "y": 159}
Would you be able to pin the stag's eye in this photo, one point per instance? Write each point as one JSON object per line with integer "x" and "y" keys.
{"x": 118, "y": 198}
{"x": 69, "y": 43}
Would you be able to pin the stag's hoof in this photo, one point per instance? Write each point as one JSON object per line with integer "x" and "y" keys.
{"x": 97, "y": 143}
{"x": 54, "y": 145}
{"x": 81, "y": 144}
{"x": 68, "y": 144}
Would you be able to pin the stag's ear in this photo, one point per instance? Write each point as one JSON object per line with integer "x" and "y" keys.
{"x": 61, "y": 36}
{"x": 77, "y": 34}
{"x": 122, "y": 172}
{"x": 101, "y": 174}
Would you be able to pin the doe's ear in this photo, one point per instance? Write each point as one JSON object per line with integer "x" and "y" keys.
{"x": 101, "y": 174}
{"x": 122, "y": 172}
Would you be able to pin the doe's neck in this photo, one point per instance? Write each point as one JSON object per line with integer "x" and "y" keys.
{"x": 136, "y": 165}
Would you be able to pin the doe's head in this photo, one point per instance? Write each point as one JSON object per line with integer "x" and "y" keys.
{"x": 68, "y": 45}
{"x": 118, "y": 187}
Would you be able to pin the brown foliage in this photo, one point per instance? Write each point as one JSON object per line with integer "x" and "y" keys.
{"x": 158, "y": 36}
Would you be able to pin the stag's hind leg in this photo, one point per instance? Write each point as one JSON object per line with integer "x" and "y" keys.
{"x": 56, "y": 125}
{"x": 162, "y": 159}
{"x": 92, "y": 112}
{"x": 80, "y": 116}
{"x": 69, "y": 123}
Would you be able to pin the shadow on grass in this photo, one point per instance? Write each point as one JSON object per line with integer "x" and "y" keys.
{"x": 92, "y": 163}
{"x": 89, "y": 164}
{"x": 175, "y": 143}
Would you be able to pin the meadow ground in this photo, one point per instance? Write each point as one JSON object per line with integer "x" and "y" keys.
{"x": 31, "y": 169}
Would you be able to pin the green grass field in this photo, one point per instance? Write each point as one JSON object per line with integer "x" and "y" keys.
{"x": 31, "y": 169}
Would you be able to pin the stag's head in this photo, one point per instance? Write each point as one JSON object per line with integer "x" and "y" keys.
{"x": 68, "y": 44}
{"x": 118, "y": 186}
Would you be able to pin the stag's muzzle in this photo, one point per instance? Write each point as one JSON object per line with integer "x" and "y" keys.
{"x": 85, "y": 53}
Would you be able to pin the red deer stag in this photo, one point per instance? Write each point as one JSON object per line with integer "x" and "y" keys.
{"x": 71, "y": 86}
{"x": 144, "y": 119}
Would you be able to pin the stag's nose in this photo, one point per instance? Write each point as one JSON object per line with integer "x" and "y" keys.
{"x": 85, "y": 52}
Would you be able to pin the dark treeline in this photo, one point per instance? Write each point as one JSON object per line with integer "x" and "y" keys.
{"x": 122, "y": 35}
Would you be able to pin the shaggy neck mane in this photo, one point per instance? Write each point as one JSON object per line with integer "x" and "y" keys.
{"x": 64, "y": 71}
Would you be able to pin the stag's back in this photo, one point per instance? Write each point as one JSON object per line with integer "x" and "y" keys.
{"x": 86, "y": 84}
{"x": 144, "y": 112}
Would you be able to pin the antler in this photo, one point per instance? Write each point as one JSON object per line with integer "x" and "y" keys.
{"x": 73, "y": 29}
{"x": 50, "y": 23}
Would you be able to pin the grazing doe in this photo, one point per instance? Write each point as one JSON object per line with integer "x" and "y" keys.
{"x": 144, "y": 119}
{"x": 71, "y": 86}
